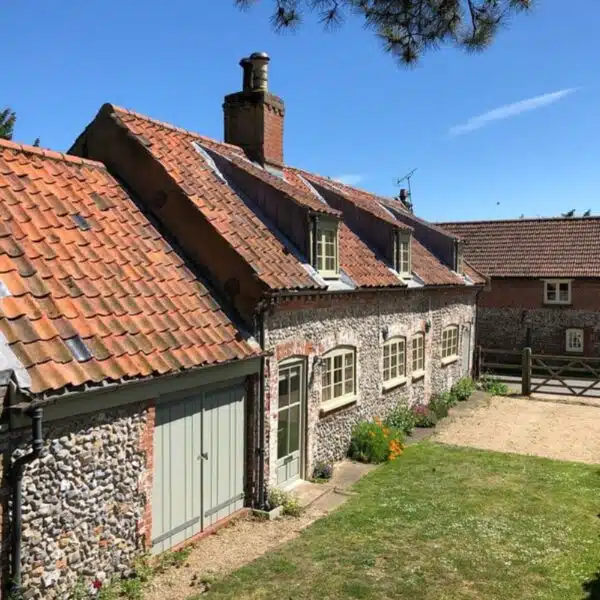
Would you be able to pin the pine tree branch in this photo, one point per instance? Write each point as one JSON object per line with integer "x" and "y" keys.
{"x": 407, "y": 28}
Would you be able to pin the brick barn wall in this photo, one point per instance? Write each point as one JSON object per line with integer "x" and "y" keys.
{"x": 310, "y": 328}
{"x": 511, "y": 306}
{"x": 86, "y": 502}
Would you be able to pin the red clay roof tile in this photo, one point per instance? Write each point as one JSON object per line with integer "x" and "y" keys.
{"x": 552, "y": 247}
{"x": 107, "y": 283}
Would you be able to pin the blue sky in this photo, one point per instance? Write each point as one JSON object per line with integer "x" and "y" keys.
{"x": 515, "y": 130}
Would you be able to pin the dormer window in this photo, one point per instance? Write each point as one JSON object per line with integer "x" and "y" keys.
{"x": 326, "y": 248}
{"x": 402, "y": 254}
{"x": 459, "y": 263}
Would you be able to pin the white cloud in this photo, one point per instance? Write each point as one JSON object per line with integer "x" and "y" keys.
{"x": 510, "y": 110}
{"x": 349, "y": 179}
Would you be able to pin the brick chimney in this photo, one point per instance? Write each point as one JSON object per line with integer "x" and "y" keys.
{"x": 254, "y": 116}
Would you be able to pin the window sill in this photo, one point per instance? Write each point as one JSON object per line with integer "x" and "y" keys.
{"x": 547, "y": 303}
{"x": 449, "y": 360}
{"x": 393, "y": 384}
{"x": 335, "y": 403}
{"x": 417, "y": 375}
{"x": 567, "y": 351}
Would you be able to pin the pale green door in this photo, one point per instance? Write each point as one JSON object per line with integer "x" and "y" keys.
{"x": 223, "y": 454}
{"x": 290, "y": 420}
{"x": 198, "y": 464}
{"x": 176, "y": 499}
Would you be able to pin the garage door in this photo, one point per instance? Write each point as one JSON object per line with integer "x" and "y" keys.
{"x": 198, "y": 464}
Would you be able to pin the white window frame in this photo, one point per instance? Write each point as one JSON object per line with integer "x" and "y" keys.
{"x": 327, "y": 228}
{"x": 450, "y": 343}
{"x": 329, "y": 398}
{"x": 571, "y": 333}
{"x": 555, "y": 285}
{"x": 393, "y": 351}
{"x": 402, "y": 254}
{"x": 417, "y": 355}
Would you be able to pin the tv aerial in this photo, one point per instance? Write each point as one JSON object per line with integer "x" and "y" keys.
{"x": 406, "y": 195}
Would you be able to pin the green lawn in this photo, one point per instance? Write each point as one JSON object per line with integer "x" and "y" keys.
{"x": 444, "y": 523}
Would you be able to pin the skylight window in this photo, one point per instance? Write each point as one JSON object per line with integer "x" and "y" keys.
{"x": 81, "y": 222}
{"x": 78, "y": 349}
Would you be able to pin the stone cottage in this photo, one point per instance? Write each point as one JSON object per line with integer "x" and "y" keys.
{"x": 358, "y": 303}
{"x": 544, "y": 290}
{"x": 116, "y": 361}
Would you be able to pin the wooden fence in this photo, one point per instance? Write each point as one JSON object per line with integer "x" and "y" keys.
{"x": 542, "y": 373}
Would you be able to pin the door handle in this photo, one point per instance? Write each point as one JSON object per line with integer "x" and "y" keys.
{"x": 203, "y": 455}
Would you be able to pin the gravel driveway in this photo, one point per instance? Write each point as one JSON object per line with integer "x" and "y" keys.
{"x": 560, "y": 431}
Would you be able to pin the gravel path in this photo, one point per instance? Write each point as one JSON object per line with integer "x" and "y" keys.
{"x": 559, "y": 431}
{"x": 227, "y": 550}
{"x": 238, "y": 544}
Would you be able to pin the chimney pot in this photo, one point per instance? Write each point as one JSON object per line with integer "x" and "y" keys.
{"x": 260, "y": 71}
{"x": 403, "y": 194}
{"x": 246, "y": 65}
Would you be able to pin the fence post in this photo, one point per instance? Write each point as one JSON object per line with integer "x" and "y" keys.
{"x": 526, "y": 372}
{"x": 478, "y": 356}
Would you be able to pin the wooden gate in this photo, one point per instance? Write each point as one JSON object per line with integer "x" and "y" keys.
{"x": 565, "y": 375}
{"x": 542, "y": 373}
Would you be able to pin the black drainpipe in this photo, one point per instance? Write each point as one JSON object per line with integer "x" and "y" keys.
{"x": 261, "y": 411}
{"x": 16, "y": 479}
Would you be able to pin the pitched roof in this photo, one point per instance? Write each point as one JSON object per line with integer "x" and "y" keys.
{"x": 89, "y": 290}
{"x": 228, "y": 213}
{"x": 550, "y": 247}
{"x": 254, "y": 240}
{"x": 424, "y": 264}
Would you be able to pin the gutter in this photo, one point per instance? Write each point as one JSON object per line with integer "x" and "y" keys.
{"x": 392, "y": 289}
{"x": 15, "y": 478}
{"x": 98, "y": 389}
{"x": 261, "y": 416}
{"x": 260, "y": 450}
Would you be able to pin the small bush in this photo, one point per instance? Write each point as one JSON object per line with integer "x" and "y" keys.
{"x": 401, "y": 418}
{"x": 424, "y": 417}
{"x": 289, "y": 502}
{"x": 323, "y": 471}
{"x": 291, "y": 506}
{"x": 374, "y": 442}
{"x": 463, "y": 388}
{"x": 492, "y": 385}
{"x": 440, "y": 404}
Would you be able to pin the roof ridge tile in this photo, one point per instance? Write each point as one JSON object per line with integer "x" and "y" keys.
{"x": 166, "y": 125}
{"x": 47, "y": 153}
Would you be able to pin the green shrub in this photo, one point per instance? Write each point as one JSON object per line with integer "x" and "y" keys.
{"x": 463, "y": 388}
{"x": 440, "y": 404}
{"x": 374, "y": 442}
{"x": 424, "y": 417}
{"x": 288, "y": 501}
{"x": 323, "y": 471}
{"x": 492, "y": 385}
{"x": 401, "y": 418}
